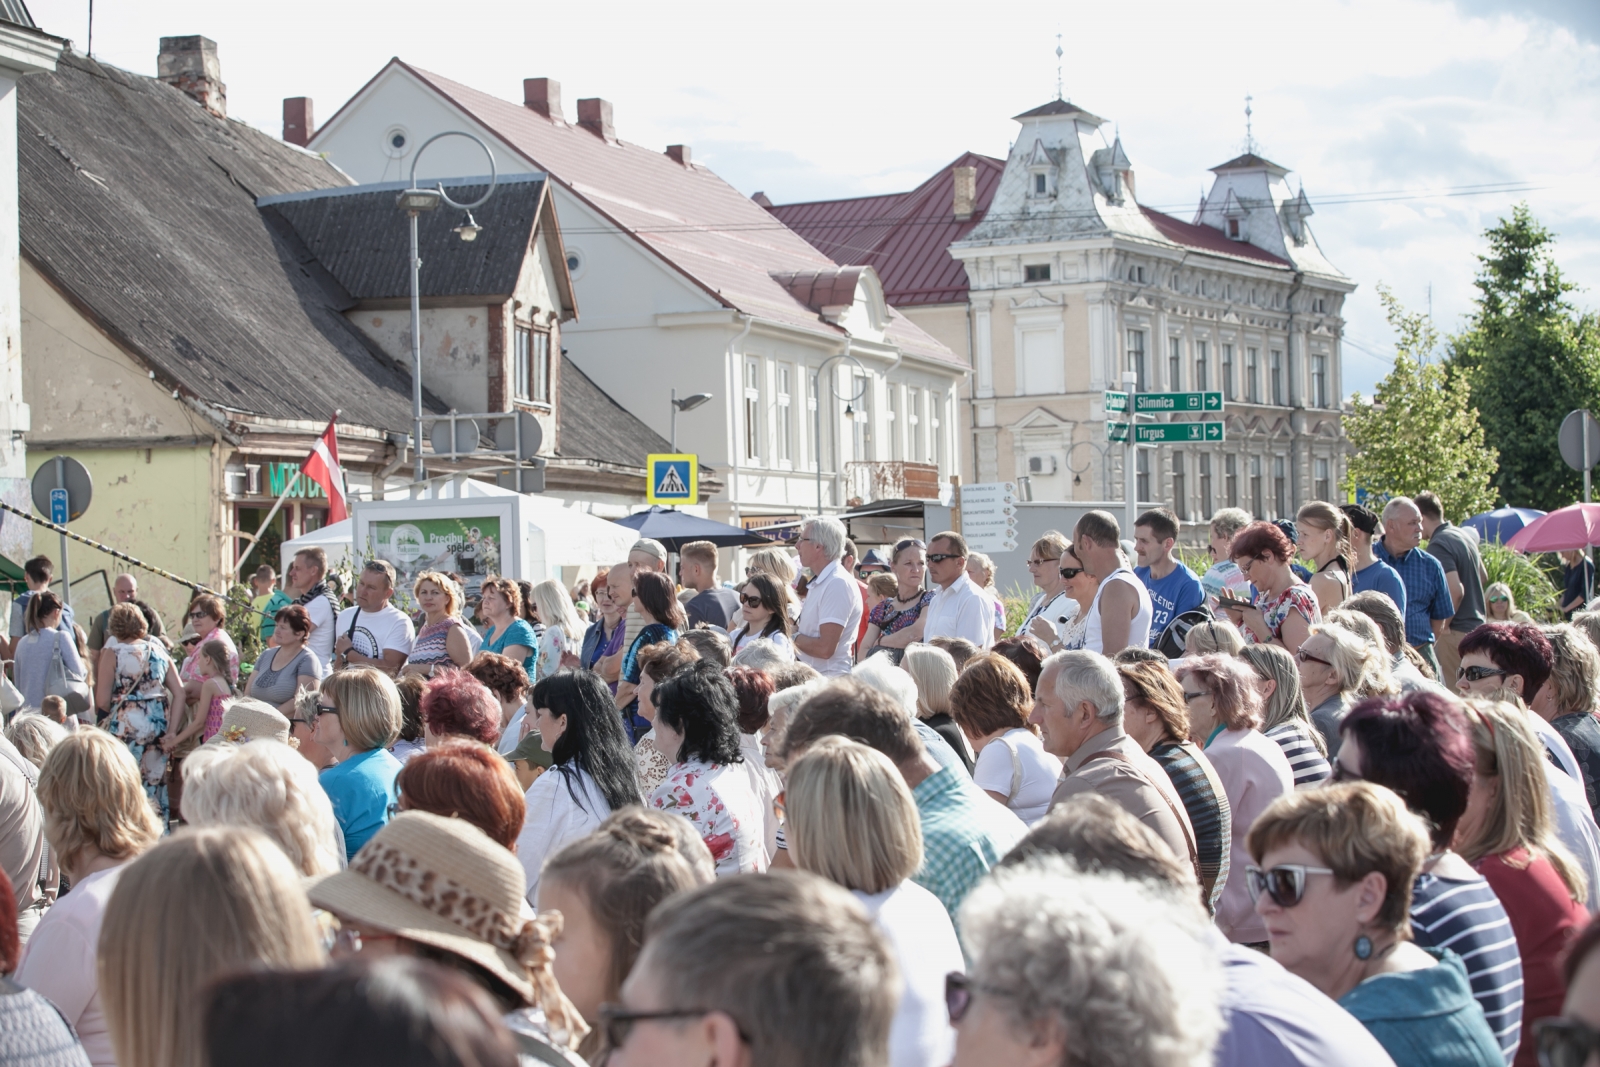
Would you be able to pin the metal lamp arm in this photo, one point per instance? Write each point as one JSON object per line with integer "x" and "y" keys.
{"x": 494, "y": 172}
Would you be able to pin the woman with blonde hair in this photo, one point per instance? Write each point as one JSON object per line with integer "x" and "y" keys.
{"x": 1324, "y": 539}
{"x": 97, "y": 818}
{"x": 1379, "y": 679}
{"x": 1283, "y": 712}
{"x": 195, "y": 907}
{"x": 1213, "y": 635}
{"x": 271, "y": 787}
{"x": 138, "y": 688}
{"x": 563, "y": 629}
{"x": 1500, "y": 606}
{"x": 34, "y": 736}
{"x": 853, "y": 821}
{"x": 1508, "y": 835}
{"x": 773, "y": 561}
{"x": 358, "y": 718}
{"x": 934, "y": 672}
{"x": 1336, "y": 668}
{"x": 442, "y": 640}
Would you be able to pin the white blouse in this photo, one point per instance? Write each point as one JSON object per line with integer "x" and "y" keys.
{"x": 564, "y": 804}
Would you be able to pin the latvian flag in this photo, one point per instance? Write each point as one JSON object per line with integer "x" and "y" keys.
{"x": 323, "y": 468}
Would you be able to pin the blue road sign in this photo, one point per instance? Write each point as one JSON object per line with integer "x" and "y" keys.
{"x": 58, "y": 506}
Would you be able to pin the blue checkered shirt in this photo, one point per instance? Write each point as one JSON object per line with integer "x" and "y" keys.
{"x": 964, "y": 834}
{"x": 1427, "y": 592}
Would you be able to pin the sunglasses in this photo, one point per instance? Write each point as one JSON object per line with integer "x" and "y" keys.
{"x": 1499, "y": 600}
{"x": 617, "y": 1022}
{"x": 1565, "y": 1042}
{"x": 1478, "y": 674}
{"x": 1305, "y": 657}
{"x": 1070, "y": 573}
{"x": 1285, "y": 884}
{"x": 1190, "y": 698}
{"x": 326, "y": 709}
{"x": 940, "y": 557}
{"x": 958, "y": 990}
{"x": 750, "y": 601}
{"x": 908, "y": 543}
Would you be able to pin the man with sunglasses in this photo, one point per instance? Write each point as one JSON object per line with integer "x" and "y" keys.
{"x": 1119, "y": 616}
{"x": 958, "y": 608}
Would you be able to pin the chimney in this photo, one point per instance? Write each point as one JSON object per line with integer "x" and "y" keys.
{"x": 679, "y": 154}
{"x": 297, "y": 124}
{"x": 966, "y": 194}
{"x": 190, "y": 64}
{"x": 544, "y": 96}
{"x": 761, "y": 198}
{"x": 594, "y": 114}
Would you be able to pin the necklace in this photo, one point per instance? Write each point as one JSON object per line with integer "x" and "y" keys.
{"x": 905, "y": 599}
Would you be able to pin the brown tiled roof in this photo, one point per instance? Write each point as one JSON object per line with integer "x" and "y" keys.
{"x": 1248, "y": 161}
{"x": 1207, "y": 239}
{"x": 1059, "y": 107}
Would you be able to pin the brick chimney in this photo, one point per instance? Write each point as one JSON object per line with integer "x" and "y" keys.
{"x": 966, "y": 191}
{"x": 297, "y": 124}
{"x": 190, "y": 64}
{"x": 679, "y": 154}
{"x": 594, "y": 115}
{"x": 761, "y": 198}
{"x": 544, "y": 96}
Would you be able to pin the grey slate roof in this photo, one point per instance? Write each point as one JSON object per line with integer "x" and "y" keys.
{"x": 16, "y": 12}
{"x": 594, "y": 426}
{"x": 141, "y": 207}
{"x": 365, "y": 241}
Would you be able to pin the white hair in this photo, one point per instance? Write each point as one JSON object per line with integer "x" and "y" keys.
{"x": 555, "y": 609}
{"x": 762, "y": 654}
{"x": 1397, "y": 504}
{"x": 828, "y": 533}
{"x": 1085, "y": 675}
{"x": 34, "y": 736}
{"x": 786, "y": 700}
{"x": 1121, "y": 966}
{"x": 269, "y": 786}
{"x": 1360, "y": 663}
{"x": 877, "y": 672}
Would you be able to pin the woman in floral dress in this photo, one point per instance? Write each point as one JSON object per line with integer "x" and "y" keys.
{"x": 1285, "y": 608}
{"x": 137, "y": 685}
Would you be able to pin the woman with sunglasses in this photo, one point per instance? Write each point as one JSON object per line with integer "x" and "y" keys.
{"x": 1080, "y": 586}
{"x": 1330, "y": 874}
{"x": 1508, "y": 836}
{"x": 358, "y": 718}
{"x": 764, "y": 606}
{"x": 1334, "y": 665}
{"x": 1284, "y": 609}
{"x": 1500, "y": 606}
{"x": 897, "y": 623}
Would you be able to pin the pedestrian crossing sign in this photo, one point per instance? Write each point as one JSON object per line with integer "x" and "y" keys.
{"x": 672, "y": 479}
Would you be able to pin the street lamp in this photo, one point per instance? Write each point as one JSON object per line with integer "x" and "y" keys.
{"x": 849, "y": 410}
{"x": 414, "y": 201}
{"x": 688, "y": 403}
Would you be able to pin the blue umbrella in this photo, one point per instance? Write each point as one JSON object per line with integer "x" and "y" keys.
{"x": 674, "y": 529}
{"x": 1501, "y": 523}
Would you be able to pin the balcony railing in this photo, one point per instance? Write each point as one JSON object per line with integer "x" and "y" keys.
{"x": 890, "y": 480}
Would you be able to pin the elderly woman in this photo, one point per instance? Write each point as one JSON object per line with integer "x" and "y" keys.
{"x": 1507, "y": 836}
{"x": 1500, "y": 606}
{"x": 1567, "y": 702}
{"x": 267, "y": 785}
{"x": 1283, "y": 713}
{"x": 697, "y": 728}
{"x": 897, "y": 622}
{"x": 991, "y": 701}
{"x": 980, "y": 568}
{"x": 500, "y": 605}
{"x": 1073, "y": 968}
{"x": 1334, "y": 664}
{"x": 456, "y": 704}
{"x": 657, "y": 663}
{"x": 1224, "y": 718}
{"x": 357, "y": 720}
{"x": 1155, "y": 716}
{"x": 1285, "y": 608}
{"x": 604, "y": 636}
{"x": 934, "y": 673}
{"x": 1052, "y": 606}
{"x": 442, "y": 639}
{"x": 1419, "y": 745}
{"x": 852, "y": 820}
{"x": 138, "y": 688}
{"x": 1331, "y": 873}
{"x": 288, "y": 667}
{"x": 1213, "y": 635}
{"x": 96, "y": 820}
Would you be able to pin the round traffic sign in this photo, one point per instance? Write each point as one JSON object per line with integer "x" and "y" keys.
{"x": 1572, "y": 440}
{"x": 67, "y": 476}
{"x": 505, "y": 434}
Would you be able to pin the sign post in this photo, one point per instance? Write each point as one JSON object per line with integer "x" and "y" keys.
{"x": 1177, "y": 403}
{"x": 62, "y": 490}
{"x": 1579, "y": 439}
{"x": 672, "y": 478}
{"x": 1130, "y": 461}
{"x": 989, "y": 516}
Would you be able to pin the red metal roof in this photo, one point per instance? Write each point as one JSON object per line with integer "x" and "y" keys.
{"x": 905, "y": 237}
{"x": 688, "y": 216}
{"x": 1206, "y": 239}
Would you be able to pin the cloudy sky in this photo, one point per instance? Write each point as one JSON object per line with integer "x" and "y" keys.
{"x": 1389, "y": 111}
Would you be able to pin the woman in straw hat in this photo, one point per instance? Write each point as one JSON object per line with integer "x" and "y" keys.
{"x": 440, "y": 888}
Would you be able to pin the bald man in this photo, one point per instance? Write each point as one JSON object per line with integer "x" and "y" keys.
{"x": 125, "y": 590}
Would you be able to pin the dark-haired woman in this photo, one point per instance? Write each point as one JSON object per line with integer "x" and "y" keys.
{"x": 896, "y": 623}
{"x": 1285, "y": 608}
{"x": 655, "y": 600}
{"x": 591, "y": 768}
{"x": 697, "y": 726}
{"x": 764, "y": 606}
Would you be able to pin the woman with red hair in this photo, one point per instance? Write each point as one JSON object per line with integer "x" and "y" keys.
{"x": 465, "y": 780}
{"x": 1285, "y": 608}
{"x": 458, "y": 705}
{"x": 753, "y": 688}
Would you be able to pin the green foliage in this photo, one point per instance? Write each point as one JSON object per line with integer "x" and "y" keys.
{"x": 241, "y": 624}
{"x": 1529, "y": 359}
{"x": 1196, "y": 559}
{"x": 1016, "y": 601}
{"x": 1420, "y": 430}
{"x": 1531, "y": 587}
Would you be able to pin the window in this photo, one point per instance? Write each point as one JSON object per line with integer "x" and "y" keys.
{"x": 1227, "y": 377}
{"x": 752, "y": 409}
{"x": 1180, "y": 486}
{"x": 893, "y": 415}
{"x": 919, "y": 453}
{"x": 1136, "y": 356}
{"x": 1323, "y": 485}
{"x": 1043, "y": 370}
{"x": 1277, "y": 377}
{"x": 530, "y": 365}
{"x": 935, "y": 422}
{"x": 1174, "y": 363}
{"x": 1280, "y": 487}
{"x": 1320, "y": 306}
{"x": 1256, "y": 504}
{"x": 1202, "y": 379}
{"x": 1319, "y": 384}
{"x": 1230, "y": 478}
{"x": 1252, "y": 375}
{"x": 1233, "y": 229}
{"x": 861, "y": 389}
{"x": 785, "y": 416}
{"x": 1205, "y": 485}
{"x": 1142, "y": 487}
{"x": 1036, "y": 272}
{"x": 1136, "y": 274}
{"x": 1041, "y": 184}
{"x": 813, "y": 388}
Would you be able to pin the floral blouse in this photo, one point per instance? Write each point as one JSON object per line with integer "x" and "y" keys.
{"x": 1274, "y": 610}
{"x": 889, "y": 618}
{"x": 650, "y": 764}
{"x": 718, "y": 801}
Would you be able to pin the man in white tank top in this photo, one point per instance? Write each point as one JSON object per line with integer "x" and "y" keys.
{"x": 1119, "y": 616}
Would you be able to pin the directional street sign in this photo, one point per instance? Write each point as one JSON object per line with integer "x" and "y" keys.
{"x": 1116, "y": 431}
{"x": 1116, "y": 402}
{"x": 1155, "y": 403}
{"x": 1167, "y": 433}
{"x": 989, "y": 516}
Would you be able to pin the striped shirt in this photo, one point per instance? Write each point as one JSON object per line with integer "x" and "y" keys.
{"x": 1203, "y": 798}
{"x": 1466, "y": 917}
{"x": 1309, "y": 765}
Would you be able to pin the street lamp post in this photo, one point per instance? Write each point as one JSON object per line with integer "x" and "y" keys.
{"x": 688, "y": 403}
{"x": 414, "y": 201}
{"x": 816, "y": 440}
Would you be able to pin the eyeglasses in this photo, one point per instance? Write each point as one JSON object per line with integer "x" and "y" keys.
{"x": 349, "y": 940}
{"x": 326, "y": 709}
{"x": 1478, "y": 674}
{"x": 1244, "y": 563}
{"x": 1565, "y": 1042}
{"x": 616, "y": 1021}
{"x": 1341, "y": 773}
{"x": 1285, "y": 884}
{"x": 198, "y": 615}
{"x": 940, "y": 557}
{"x": 958, "y": 990}
{"x": 1042, "y": 562}
{"x": 1303, "y": 656}
{"x": 1190, "y": 698}
{"x": 1070, "y": 573}
{"x": 750, "y": 601}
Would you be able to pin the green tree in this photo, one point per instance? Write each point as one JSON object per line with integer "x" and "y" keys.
{"x": 1420, "y": 430}
{"x": 1529, "y": 358}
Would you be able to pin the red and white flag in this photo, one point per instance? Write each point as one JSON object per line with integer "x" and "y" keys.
{"x": 323, "y": 468}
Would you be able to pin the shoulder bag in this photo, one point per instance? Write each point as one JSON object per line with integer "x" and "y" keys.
{"x": 58, "y": 683}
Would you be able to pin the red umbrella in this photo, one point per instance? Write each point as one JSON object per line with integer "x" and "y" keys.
{"x": 1574, "y": 526}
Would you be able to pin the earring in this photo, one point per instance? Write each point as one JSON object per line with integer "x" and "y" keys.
{"x": 1363, "y": 947}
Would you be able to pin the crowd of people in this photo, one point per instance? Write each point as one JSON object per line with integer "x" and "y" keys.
{"x": 1331, "y": 803}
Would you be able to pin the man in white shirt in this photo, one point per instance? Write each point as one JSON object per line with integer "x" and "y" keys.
{"x": 831, "y": 613}
{"x": 374, "y": 633}
{"x": 304, "y": 583}
{"x": 958, "y": 608}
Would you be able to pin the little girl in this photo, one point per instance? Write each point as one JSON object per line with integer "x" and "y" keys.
{"x": 210, "y": 663}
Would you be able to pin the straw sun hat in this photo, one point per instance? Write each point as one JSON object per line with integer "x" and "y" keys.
{"x": 247, "y": 719}
{"x": 443, "y": 882}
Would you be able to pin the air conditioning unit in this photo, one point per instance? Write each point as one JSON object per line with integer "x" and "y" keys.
{"x": 1041, "y": 464}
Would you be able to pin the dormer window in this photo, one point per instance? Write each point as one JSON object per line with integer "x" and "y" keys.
{"x": 1233, "y": 229}
{"x": 1041, "y": 184}
{"x": 1036, "y": 272}
{"x": 1041, "y": 173}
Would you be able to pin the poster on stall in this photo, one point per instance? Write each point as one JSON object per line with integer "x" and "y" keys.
{"x": 469, "y": 546}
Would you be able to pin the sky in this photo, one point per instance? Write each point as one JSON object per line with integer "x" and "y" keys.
{"x": 1393, "y": 114}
